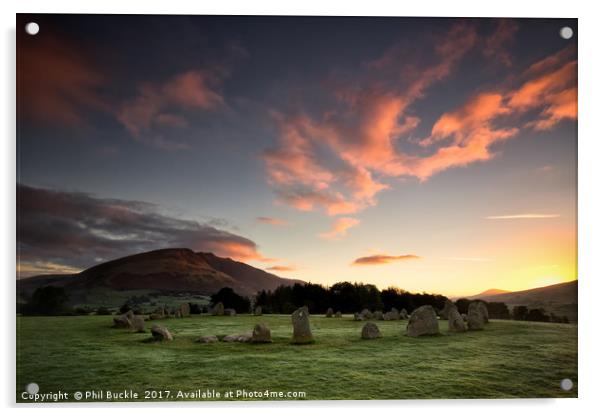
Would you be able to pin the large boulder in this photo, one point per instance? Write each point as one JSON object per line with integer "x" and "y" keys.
{"x": 449, "y": 305}
{"x": 229, "y": 312}
{"x": 258, "y": 311}
{"x": 237, "y": 338}
{"x": 184, "y": 310}
{"x": 208, "y": 339}
{"x": 366, "y": 314}
{"x": 475, "y": 317}
{"x": 123, "y": 321}
{"x": 138, "y": 323}
{"x": 370, "y": 331}
{"x": 423, "y": 321}
{"x": 455, "y": 321}
{"x": 218, "y": 309}
{"x": 261, "y": 334}
{"x": 301, "y": 328}
{"x": 329, "y": 313}
{"x": 160, "y": 333}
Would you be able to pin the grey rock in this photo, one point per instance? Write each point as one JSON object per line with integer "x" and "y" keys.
{"x": 370, "y": 331}
{"x": 423, "y": 321}
{"x": 160, "y": 333}
{"x": 301, "y": 327}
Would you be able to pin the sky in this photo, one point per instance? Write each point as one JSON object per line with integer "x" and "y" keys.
{"x": 429, "y": 154}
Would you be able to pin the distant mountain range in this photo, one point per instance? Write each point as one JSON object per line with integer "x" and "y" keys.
{"x": 167, "y": 270}
{"x": 560, "y": 298}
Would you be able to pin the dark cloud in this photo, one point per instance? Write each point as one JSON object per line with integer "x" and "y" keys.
{"x": 76, "y": 229}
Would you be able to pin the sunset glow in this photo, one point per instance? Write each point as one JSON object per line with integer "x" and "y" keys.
{"x": 436, "y": 156}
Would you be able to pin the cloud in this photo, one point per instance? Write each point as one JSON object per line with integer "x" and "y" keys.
{"x": 78, "y": 230}
{"x": 271, "y": 221}
{"x": 377, "y": 259}
{"x": 57, "y": 83}
{"x": 166, "y": 105}
{"x": 496, "y": 44}
{"x": 331, "y": 162}
{"x": 339, "y": 228}
{"x": 340, "y": 160}
{"x": 521, "y": 216}
{"x": 282, "y": 268}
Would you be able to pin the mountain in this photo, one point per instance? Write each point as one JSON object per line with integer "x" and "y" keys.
{"x": 561, "y": 298}
{"x": 168, "y": 270}
{"x": 489, "y": 292}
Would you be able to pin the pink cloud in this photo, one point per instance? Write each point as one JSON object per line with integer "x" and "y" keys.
{"x": 271, "y": 221}
{"x": 378, "y": 259}
{"x": 339, "y": 228}
{"x": 156, "y": 105}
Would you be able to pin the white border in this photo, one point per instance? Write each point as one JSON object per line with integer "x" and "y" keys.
{"x": 590, "y": 206}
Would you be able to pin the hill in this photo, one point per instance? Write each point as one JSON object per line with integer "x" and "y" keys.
{"x": 560, "y": 298}
{"x": 177, "y": 270}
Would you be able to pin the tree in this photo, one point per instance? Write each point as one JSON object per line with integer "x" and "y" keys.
{"x": 48, "y": 300}
{"x": 519, "y": 313}
{"x": 498, "y": 310}
{"x": 231, "y": 299}
{"x": 462, "y": 305}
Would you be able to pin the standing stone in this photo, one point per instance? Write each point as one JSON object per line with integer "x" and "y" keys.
{"x": 423, "y": 321}
{"x": 178, "y": 314}
{"x": 184, "y": 310}
{"x": 388, "y": 316}
{"x": 455, "y": 321}
{"x": 301, "y": 328}
{"x": 218, "y": 309}
{"x": 329, "y": 313}
{"x": 208, "y": 339}
{"x": 483, "y": 308}
{"x": 366, "y": 314}
{"x": 261, "y": 334}
{"x": 358, "y": 317}
{"x": 160, "y": 333}
{"x": 403, "y": 314}
{"x": 475, "y": 317}
{"x": 338, "y": 314}
{"x": 237, "y": 338}
{"x": 377, "y": 315}
{"x": 449, "y": 305}
{"x": 122, "y": 321}
{"x": 138, "y": 323}
{"x": 229, "y": 312}
{"x": 371, "y": 331}
{"x": 258, "y": 311}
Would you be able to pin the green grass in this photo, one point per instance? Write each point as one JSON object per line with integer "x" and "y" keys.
{"x": 508, "y": 359}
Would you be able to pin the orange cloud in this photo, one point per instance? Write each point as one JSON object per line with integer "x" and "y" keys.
{"x": 282, "y": 268}
{"x": 339, "y": 228}
{"x": 241, "y": 251}
{"x": 271, "y": 221}
{"x": 382, "y": 259}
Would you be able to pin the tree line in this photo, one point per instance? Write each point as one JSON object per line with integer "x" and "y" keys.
{"x": 343, "y": 296}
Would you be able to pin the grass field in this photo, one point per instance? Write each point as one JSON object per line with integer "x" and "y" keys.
{"x": 508, "y": 359}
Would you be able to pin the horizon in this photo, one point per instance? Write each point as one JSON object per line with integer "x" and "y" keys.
{"x": 436, "y": 155}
